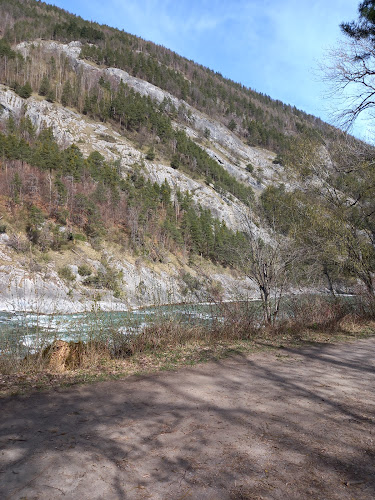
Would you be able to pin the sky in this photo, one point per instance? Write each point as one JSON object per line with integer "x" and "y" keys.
{"x": 272, "y": 46}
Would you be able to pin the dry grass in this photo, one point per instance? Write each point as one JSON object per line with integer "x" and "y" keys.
{"x": 167, "y": 344}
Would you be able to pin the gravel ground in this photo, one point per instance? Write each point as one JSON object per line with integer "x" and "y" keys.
{"x": 287, "y": 424}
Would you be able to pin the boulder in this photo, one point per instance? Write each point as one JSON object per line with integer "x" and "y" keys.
{"x": 61, "y": 355}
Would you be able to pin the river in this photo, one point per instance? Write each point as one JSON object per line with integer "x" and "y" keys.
{"x": 25, "y": 331}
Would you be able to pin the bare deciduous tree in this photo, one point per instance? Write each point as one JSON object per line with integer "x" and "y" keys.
{"x": 350, "y": 70}
{"x": 350, "y": 75}
{"x": 270, "y": 264}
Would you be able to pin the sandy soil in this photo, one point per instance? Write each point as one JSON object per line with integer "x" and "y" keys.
{"x": 289, "y": 424}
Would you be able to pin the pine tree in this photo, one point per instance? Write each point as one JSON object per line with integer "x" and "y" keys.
{"x": 66, "y": 96}
{"x": 25, "y": 91}
{"x": 44, "y": 86}
{"x": 150, "y": 155}
{"x": 50, "y": 95}
{"x": 232, "y": 125}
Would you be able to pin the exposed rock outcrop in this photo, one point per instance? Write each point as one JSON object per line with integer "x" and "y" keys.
{"x": 61, "y": 355}
{"x": 143, "y": 283}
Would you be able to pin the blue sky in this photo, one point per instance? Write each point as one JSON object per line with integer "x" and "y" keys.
{"x": 272, "y": 46}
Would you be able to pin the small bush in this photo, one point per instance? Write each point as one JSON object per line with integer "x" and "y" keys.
{"x": 18, "y": 243}
{"x": 108, "y": 278}
{"x": 316, "y": 313}
{"x": 93, "y": 281}
{"x": 150, "y": 155}
{"x": 107, "y": 138}
{"x": 278, "y": 160}
{"x": 66, "y": 274}
{"x": 79, "y": 237}
{"x": 190, "y": 283}
{"x": 61, "y": 217}
{"x": 84, "y": 270}
{"x": 3, "y": 228}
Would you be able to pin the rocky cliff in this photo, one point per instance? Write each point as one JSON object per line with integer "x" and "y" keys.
{"x": 29, "y": 287}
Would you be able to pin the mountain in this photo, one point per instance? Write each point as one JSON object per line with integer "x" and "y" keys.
{"x": 128, "y": 171}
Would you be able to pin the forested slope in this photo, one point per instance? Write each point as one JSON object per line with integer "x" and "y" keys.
{"x": 117, "y": 148}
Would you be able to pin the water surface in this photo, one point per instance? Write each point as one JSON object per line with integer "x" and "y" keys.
{"x": 29, "y": 331}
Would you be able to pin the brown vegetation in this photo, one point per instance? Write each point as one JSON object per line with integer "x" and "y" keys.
{"x": 168, "y": 344}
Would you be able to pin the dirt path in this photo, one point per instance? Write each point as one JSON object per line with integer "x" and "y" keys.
{"x": 290, "y": 424}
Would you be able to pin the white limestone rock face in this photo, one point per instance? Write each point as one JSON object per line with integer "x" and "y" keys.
{"x": 72, "y": 49}
{"x": 10, "y": 103}
{"x": 70, "y": 127}
{"x": 21, "y": 289}
{"x": 198, "y": 121}
{"x": 142, "y": 284}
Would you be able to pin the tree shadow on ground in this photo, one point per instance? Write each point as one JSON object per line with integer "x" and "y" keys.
{"x": 297, "y": 425}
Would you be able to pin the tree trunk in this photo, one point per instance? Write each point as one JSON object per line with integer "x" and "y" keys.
{"x": 327, "y": 275}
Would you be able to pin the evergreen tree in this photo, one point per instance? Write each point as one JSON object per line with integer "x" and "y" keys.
{"x": 232, "y": 125}
{"x": 50, "y": 95}
{"x": 46, "y": 155}
{"x": 150, "y": 155}
{"x": 364, "y": 28}
{"x": 73, "y": 161}
{"x": 66, "y": 96}
{"x": 25, "y": 91}
{"x": 45, "y": 86}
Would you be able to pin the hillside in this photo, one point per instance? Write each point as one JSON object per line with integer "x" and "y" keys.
{"x": 255, "y": 117}
{"x": 131, "y": 176}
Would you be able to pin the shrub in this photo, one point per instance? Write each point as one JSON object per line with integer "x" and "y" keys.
{"x": 150, "y": 155}
{"x": 191, "y": 283}
{"x": 107, "y": 138}
{"x": 61, "y": 217}
{"x": 93, "y": 281}
{"x": 316, "y": 313}
{"x": 278, "y": 160}
{"x": 66, "y": 274}
{"x": 108, "y": 278}
{"x": 232, "y": 125}
{"x": 84, "y": 270}
{"x": 18, "y": 243}
{"x": 79, "y": 237}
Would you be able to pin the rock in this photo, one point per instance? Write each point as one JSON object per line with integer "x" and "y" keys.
{"x": 63, "y": 355}
{"x": 4, "y": 238}
{"x": 74, "y": 269}
{"x": 57, "y": 354}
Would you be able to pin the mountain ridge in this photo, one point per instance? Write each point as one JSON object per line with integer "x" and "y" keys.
{"x": 133, "y": 161}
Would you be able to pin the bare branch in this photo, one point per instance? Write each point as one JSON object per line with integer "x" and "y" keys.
{"x": 350, "y": 75}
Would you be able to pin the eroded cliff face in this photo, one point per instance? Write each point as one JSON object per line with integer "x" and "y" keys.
{"x": 30, "y": 285}
{"x": 143, "y": 283}
{"x": 223, "y": 145}
{"x": 37, "y": 287}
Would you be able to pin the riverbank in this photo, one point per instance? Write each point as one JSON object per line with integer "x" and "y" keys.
{"x": 168, "y": 347}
